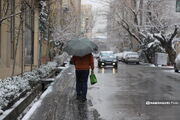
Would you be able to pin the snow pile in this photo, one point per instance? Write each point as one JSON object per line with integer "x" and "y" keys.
{"x": 61, "y": 58}
{"x": 152, "y": 65}
{"x": 12, "y": 87}
{"x": 44, "y": 70}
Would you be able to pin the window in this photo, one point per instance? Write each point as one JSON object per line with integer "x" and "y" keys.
{"x": 28, "y": 35}
{"x": 10, "y": 27}
{"x": 177, "y": 5}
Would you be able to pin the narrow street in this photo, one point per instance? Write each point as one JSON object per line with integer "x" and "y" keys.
{"x": 122, "y": 94}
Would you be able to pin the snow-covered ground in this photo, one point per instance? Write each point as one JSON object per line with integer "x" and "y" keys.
{"x": 168, "y": 69}
{"x": 161, "y": 66}
{"x": 172, "y": 72}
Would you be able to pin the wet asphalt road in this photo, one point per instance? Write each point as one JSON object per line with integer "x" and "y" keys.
{"x": 122, "y": 94}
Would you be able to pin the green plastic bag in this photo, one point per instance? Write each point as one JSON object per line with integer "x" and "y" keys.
{"x": 93, "y": 79}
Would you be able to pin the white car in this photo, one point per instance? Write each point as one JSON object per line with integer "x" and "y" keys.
{"x": 177, "y": 63}
{"x": 131, "y": 57}
{"x": 124, "y": 55}
{"x": 119, "y": 56}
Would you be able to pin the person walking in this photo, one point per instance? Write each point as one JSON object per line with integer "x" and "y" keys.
{"x": 83, "y": 64}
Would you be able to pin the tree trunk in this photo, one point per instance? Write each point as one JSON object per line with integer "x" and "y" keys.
{"x": 147, "y": 57}
{"x": 171, "y": 53}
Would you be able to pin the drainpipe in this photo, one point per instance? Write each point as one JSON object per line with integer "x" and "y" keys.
{"x": 40, "y": 49}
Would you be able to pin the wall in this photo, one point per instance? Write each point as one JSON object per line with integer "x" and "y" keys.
{"x": 87, "y": 20}
{"x": 7, "y": 58}
{"x": 18, "y": 38}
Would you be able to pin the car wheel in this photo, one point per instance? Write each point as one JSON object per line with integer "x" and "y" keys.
{"x": 137, "y": 63}
{"x": 116, "y": 66}
{"x": 99, "y": 65}
{"x": 176, "y": 70}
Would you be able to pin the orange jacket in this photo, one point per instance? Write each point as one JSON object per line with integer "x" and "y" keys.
{"x": 83, "y": 63}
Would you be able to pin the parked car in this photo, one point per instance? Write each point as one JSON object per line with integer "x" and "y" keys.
{"x": 131, "y": 57}
{"x": 124, "y": 55}
{"x": 107, "y": 58}
{"x": 177, "y": 63}
{"x": 119, "y": 56}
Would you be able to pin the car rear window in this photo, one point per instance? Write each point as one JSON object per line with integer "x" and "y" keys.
{"x": 107, "y": 54}
{"x": 132, "y": 55}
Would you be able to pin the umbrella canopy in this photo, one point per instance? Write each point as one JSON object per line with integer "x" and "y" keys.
{"x": 80, "y": 47}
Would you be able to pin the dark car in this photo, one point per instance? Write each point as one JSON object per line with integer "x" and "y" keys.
{"x": 107, "y": 58}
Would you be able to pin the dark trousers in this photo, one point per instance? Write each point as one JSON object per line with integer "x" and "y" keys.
{"x": 82, "y": 82}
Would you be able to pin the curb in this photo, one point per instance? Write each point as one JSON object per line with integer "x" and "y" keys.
{"x": 18, "y": 109}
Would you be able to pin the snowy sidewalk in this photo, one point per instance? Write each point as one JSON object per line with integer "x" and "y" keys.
{"x": 59, "y": 102}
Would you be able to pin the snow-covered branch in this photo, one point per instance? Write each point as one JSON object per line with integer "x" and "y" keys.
{"x": 173, "y": 34}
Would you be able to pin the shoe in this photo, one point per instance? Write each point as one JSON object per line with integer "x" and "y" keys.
{"x": 83, "y": 99}
{"x": 78, "y": 98}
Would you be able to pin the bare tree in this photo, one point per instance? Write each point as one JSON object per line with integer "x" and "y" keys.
{"x": 143, "y": 17}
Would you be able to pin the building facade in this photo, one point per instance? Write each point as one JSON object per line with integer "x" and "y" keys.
{"x": 17, "y": 36}
{"x": 87, "y": 20}
{"x": 23, "y": 47}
